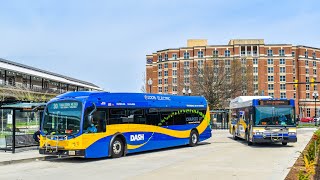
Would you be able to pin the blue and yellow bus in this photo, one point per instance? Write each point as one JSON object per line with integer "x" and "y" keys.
{"x": 102, "y": 124}
{"x": 260, "y": 119}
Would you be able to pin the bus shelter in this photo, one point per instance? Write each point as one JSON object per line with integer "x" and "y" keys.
{"x": 219, "y": 119}
{"x": 18, "y": 122}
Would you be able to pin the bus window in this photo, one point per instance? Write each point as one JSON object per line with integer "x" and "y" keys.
{"x": 99, "y": 119}
{"x": 153, "y": 116}
{"x": 137, "y": 115}
{"x": 116, "y": 116}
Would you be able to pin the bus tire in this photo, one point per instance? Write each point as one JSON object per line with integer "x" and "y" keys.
{"x": 117, "y": 148}
{"x": 194, "y": 138}
{"x": 234, "y": 134}
{"x": 284, "y": 143}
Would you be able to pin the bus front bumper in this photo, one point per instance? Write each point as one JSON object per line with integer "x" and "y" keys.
{"x": 265, "y": 139}
{"x": 70, "y": 153}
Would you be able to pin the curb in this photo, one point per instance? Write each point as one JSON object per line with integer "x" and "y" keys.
{"x": 40, "y": 158}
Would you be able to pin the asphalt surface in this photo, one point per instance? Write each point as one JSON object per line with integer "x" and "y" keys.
{"x": 217, "y": 158}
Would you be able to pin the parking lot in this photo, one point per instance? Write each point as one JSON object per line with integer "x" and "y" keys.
{"x": 220, "y": 157}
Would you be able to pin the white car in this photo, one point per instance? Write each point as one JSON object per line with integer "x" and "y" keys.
{"x": 317, "y": 119}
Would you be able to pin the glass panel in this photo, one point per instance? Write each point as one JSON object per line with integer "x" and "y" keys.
{"x": 274, "y": 116}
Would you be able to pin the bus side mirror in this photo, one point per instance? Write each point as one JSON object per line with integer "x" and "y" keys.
{"x": 89, "y": 118}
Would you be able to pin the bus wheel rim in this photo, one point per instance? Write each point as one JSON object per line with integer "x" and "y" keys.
{"x": 116, "y": 147}
{"x": 194, "y": 138}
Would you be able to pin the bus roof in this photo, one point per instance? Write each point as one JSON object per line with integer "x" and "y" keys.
{"x": 132, "y": 100}
{"x": 245, "y": 101}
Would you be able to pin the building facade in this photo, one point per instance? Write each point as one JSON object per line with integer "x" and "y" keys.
{"x": 274, "y": 67}
{"x": 19, "y": 77}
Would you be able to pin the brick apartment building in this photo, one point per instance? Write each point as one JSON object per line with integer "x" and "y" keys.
{"x": 273, "y": 67}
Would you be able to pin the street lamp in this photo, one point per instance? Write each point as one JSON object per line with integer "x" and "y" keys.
{"x": 150, "y": 83}
{"x": 189, "y": 91}
{"x": 315, "y": 96}
{"x": 184, "y": 91}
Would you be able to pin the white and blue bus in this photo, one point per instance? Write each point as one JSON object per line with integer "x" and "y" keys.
{"x": 102, "y": 124}
{"x": 263, "y": 119}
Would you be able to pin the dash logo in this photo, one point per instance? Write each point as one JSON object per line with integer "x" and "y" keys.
{"x": 137, "y": 137}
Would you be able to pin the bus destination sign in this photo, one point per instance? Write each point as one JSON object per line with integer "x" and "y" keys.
{"x": 274, "y": 102}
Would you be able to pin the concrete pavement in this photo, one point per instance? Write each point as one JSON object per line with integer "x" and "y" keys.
{"x": 27, "y": 154}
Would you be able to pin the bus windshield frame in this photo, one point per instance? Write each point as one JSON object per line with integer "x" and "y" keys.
{"x": 274, "y": 116}
{"x": 62, "y": 118}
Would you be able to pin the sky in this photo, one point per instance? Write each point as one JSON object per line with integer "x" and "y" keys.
{"x": 106, "y": 42}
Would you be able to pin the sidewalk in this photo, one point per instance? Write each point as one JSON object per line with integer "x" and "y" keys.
{"x": 22, "y": 155}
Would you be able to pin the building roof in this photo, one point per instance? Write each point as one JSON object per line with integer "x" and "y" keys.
{"x": 6, "y": 64}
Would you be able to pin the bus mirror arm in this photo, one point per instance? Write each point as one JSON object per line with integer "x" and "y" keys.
{"x": 90, "y": 114}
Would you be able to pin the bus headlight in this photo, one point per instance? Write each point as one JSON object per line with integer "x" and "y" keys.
{"x": 258, "y": 133}
{"x": 292, "y": 133}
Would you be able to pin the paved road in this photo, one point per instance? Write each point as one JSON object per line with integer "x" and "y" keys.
{"x": 218, "y": 158}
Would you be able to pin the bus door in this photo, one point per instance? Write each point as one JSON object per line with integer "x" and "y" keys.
{"x": 241, "y": 124}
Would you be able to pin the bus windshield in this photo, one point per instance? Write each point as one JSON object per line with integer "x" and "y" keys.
{"x": 62, "y": 118}
{"x": 274, "y": 115}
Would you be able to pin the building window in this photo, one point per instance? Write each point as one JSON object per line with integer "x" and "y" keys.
{"x": 293, "y": 62}
{"x": 200, "y": 54}
{"x": 255, "y": 69}
{"x": 307, "y": 71}
{"x": 307, "y": 62}
{"x": 227, "y": 62}
{"x": 255, "y": 78}
{"x": 281, "y": 52}
{"x": 270, "y": 61}
{"x": 186, "y": 64}
{"x": 283, "y": 95}
{"x": 159, "y": 81}
{"x": 160, "y": 89}
{"x": 314, "y": 63}
{"x": 174, "y": 80}
{"x": 269, "y": 52}
{"x": 282, "y": 78}
{"x": 255, "y": 61}
{"x": 307, "y": 79}
{"x": 186, "y": 80}
{"x": 200, "y": 63}
{"x": 271, "y": 94}
{"x": 186, "y": 55}
{"x": 159, "y": 66}
{"x": 282, "y": 61}
{"x": 186, "y": 72}
{"x": 215, "y": 70}
{"x": 314, "y": 55}
{"x": 307, "y": 87}
{"x": 244, "y": 70}
{"x": 174, "y": 72}
{"x": 270, "y": 69}
{"x": 282, "y": 87}
{"x": 270, "y": 86}
{"x": 314, "y": 71}
{"x": 166, "y": 89}
{"x": 174, "y": 88}
{"x": 282, "y": 70}
{"x": 165, "y": 73}
{"x": 174, "y": 56}
{"x": 174, "y": 65}
{"x": 293, "y": 53}
{"x": 160, "y": 58}
{"x": 166, "y": 57}
{"x": 215, "y": 62}
{"x": 160, "y": 74}
{"x": 244, "y": 61}
{"x": 270, "y": 78}
{"x": 215, "y": 53}
{"x": 227, "y": 53}
{"x": 294, "y": 95}
{"x": 306, "y": 54}
{"x": 307, "y": 95}
{"x": 165, "y": 65}
{"x": 165, "y": 81}
{"x": 255, "y": 87}
{"x": 308, "y": 112}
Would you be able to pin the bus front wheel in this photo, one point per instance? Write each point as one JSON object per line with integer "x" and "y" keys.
{"x": 117, "y": 148}
{"x": 194, "y": 138}
{"x": 284, "y": 143}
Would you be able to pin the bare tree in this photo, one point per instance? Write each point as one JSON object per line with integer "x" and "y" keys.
{"x": 218, "y": 82}
{"x": 144, "y": 81}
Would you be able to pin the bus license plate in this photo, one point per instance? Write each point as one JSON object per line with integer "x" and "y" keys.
{"x": 72, "y": 153}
